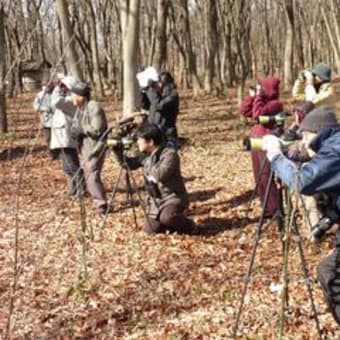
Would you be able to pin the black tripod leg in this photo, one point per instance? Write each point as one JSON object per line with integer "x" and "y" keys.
{"x": 129, "y": 193}
{"x": 306, "y": 276}
{"x": 285, "y": 246}
{"x": 253, "y": 254}
{"x": 142, "y": 204}
{"x": 280, "y": 213}
{"x": 114, "y": 191}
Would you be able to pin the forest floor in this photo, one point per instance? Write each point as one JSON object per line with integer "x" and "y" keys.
{"x": 141, "y": 286}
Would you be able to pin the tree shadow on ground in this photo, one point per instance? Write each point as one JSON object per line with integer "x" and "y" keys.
{"x": 238, "y": 200}
{"x": 215, "y": 225}
{"x": 18, "y": 152}
{"x": 203, "y": 195}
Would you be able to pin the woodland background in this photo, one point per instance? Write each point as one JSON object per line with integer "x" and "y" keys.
{"x": 136, "y": 286}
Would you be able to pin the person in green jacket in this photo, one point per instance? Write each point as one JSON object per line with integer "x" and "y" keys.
{"x": 89, "y": 128}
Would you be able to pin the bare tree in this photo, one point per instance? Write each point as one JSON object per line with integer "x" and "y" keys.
{"x": 129, "y": 17}
{"x": 289, "y": 44}
{"x": 68, "y": 39}
{"x": 3, "y": 114}
{"x": 94, "y": 51}
{"x": 160, "y": 41}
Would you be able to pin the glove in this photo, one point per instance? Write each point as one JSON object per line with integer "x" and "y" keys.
{"x": 301, "y": 75}
{"x": 309, "y": 76}
{"x": 272, "y": 145}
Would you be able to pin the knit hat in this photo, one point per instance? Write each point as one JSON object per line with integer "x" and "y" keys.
{"x": 323, "y": 71}
{"x": 319, "y": 119}
{"x": 302, "y": 109}
{"x": 81, "y": 89}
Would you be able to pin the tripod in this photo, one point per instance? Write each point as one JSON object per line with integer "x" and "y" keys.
{"x": 131, "y": 186}
{"x": 290, "y": 227}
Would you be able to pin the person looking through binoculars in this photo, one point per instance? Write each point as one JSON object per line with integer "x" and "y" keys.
{"x": 263, "y": 101}
{"x": 314, "y": 85}
{"x": 62, "y": 143}
{"x": 89, "y": 129}
{"x": 167, "y": 195}
{"x": 160, "y": 98}
{"x": 321, "y": 175}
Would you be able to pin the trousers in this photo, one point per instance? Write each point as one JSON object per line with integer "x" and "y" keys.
{"x": 172, "y": 219}
{"x": 92, "y": 172}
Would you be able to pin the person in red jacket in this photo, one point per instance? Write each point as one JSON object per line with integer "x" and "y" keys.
{"x": 263, "y": 101}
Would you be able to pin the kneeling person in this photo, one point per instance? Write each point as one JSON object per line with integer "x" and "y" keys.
{"x": 168, "y": 197}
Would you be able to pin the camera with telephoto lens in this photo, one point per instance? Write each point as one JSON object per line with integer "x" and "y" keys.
{"x": 123, "y": 143}
{"x": 324, "y": 224}
{"x": 292, "y": 134}
{"x": 277, "y": 119}
{"x": 255, "y": 144}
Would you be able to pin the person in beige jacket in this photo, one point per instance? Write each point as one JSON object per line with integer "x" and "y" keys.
{"x": 89, "y": 128}
{"x": 314, "y": 86}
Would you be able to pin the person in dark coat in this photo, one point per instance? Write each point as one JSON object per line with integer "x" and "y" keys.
{"x": 167, "y": 196}
{"x": 162, "y": 101}
{"x": 320, "y": 175}
{"x": 263, "y": 101}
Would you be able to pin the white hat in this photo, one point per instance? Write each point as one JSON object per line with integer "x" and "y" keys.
{"x": 68, "y": 81}
{"x": 149, "y": 73}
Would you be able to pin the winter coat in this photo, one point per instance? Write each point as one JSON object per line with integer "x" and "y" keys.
{"x": 266, "y": 105}
{"x": 323, "y": 96}
{"x": 89, "y": 127}
{"x": 42, "y": 104}
{"x": 164, "y": 181}
{"x": 64, "y": 111}
{"x": 163, "y": 109}
{"x": 321, "y": 174}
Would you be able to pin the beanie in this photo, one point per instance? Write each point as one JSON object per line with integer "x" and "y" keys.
{"x": 323, "y": 71}
{"x": 319, "y": 119}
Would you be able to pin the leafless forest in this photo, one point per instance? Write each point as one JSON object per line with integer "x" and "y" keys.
{"x": 136, "y": 286}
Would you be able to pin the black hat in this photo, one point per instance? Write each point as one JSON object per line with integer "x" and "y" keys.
{"x": 81, "y": 89}
{"x": 318, "y": 119}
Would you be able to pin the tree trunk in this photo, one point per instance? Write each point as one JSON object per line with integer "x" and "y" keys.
{"x": 72, "y": 58}
{"x": 160, "y": 47}
{"x": 129, "y": 17}
{"x": 96, "y": 74}
{"x": 289, "y": 44}
{"x": 3, "y": 114}
{"x": 210, "y": 43}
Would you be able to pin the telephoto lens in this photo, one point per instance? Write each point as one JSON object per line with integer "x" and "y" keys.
{"x": 252, "y": 144}
{"x": 279, "y": 118}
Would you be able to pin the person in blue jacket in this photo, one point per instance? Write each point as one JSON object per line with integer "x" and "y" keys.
{"x": 320, "y": 175}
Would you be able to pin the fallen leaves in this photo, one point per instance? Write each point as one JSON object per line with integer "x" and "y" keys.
{"x": 143, "y": 287}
